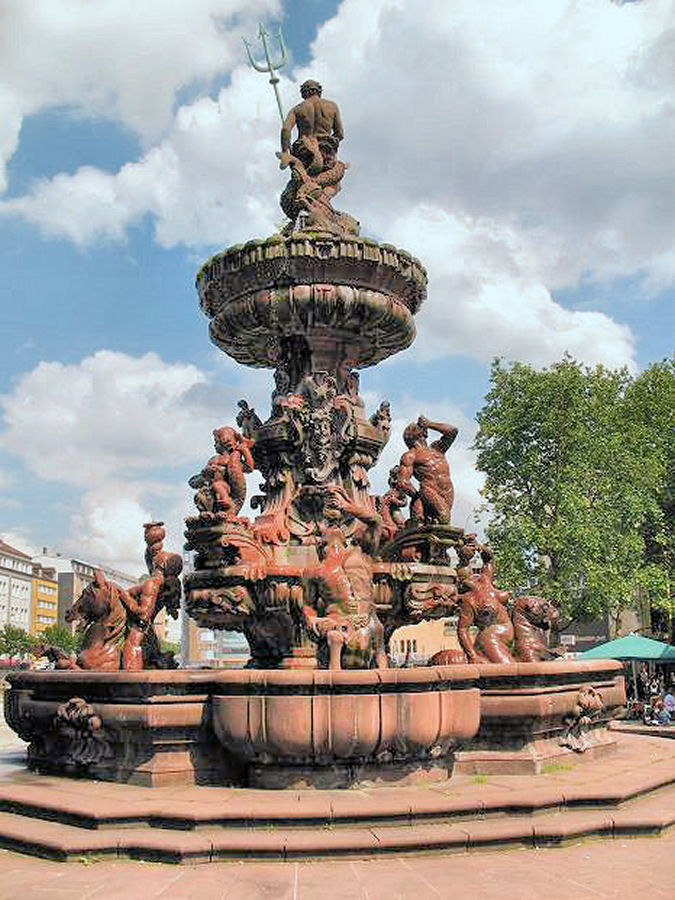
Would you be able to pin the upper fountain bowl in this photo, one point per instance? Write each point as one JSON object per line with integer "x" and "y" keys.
{"x": 349, "y": 293}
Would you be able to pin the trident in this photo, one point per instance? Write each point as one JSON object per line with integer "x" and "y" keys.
{"x": 270, "y": 67}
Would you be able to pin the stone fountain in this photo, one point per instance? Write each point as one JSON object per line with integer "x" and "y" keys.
{"x": 324, "y": 573}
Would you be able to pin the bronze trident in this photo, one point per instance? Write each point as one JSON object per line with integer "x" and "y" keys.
{"x": 269, "y": 66}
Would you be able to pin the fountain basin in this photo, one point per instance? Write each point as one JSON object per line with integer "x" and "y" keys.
{"x": 312, "y": 728}
{"x": 333, "y": 729}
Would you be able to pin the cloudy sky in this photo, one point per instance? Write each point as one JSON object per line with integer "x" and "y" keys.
{"x": 523, "y": 150}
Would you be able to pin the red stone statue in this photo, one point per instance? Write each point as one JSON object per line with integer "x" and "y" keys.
{"x": 344, "y": 613}
{"x": 588, "y": 707}
{"x": 101, "y": 611}
{"x": 431, "y": 501}
{"x": 144, "y": 601}
{"x": 221, "y": 485}
{"x": 118, "y": 623}
{"x": 532, "y": 617}
{"x": 391, "y": 505}
{"x": 484, "y": 607}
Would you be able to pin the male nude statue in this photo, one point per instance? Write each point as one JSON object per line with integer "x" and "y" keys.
{"x": 317, "y": 120}
{"x": 431, "y": 502}
{"x": 342, "y": 582}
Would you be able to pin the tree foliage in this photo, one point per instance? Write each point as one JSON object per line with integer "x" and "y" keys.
{"x": 15, "y": 641}
{"x": 60, "y": 636}
{"x": 578, "y": 466}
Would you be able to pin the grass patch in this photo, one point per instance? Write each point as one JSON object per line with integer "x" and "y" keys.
{"x": 548, "y": 768}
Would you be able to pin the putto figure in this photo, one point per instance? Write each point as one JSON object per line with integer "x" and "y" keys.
{"x": 221, "y": 485}
{"x": 144, "y": 601}
{"x": 431, "y": 501}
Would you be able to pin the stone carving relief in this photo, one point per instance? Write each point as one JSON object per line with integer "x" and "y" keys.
{"x": 340, "y": 599}
{"x": 587, "y": 708}
{"x": 74, "y": 741}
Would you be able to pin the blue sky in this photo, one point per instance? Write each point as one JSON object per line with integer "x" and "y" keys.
{"x": 523, "y": 152}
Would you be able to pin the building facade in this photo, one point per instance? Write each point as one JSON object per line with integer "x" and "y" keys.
{"x": 74, "y": 575}
{"x": 44, "y": 598}
{"x": 15, "y": 587}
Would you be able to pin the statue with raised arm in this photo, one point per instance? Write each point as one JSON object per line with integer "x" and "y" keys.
{"x": 431, "y": 500}
{"x": 221, "y": 485}
{"x": 144, "y": 601}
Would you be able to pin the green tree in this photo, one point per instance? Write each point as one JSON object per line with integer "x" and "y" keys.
{"x": 574, "y": 460}
{"x": 651, "y": 405}
{"x": 15, "y": 641}
{"x": 60, "y": 636}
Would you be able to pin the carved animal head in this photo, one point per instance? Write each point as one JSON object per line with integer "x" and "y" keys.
{"x": 537, "y": 611}
{"x": 94, "y": 603}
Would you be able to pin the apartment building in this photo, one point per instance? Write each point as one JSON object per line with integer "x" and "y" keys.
{"x": 74, "y": 575}
{"x": 15, "y": 587}
{"x": 44, "y": 598}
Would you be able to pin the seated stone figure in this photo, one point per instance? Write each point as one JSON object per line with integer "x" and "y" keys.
{"x": 312, "y": 157}
{"x": 532, "y": 617}
{"x": 483, "y": 606}
{"x": 343, "y": 614}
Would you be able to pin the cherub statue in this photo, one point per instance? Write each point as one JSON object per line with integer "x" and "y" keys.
{"x": 221, "y": 485}
{"x": 431, "y": 501}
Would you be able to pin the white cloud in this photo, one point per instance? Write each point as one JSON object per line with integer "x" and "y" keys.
{"x": 120, "y": 58}
{"x": 117, "y": 428}
{"x": 538, "y": 133}
{"x": 108, "y": 414}
{"x": 20, "y": 539}
{"x": 488, "y": 296}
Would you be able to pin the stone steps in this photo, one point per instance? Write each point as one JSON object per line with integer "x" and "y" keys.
{"x": 102, "y": 806}
{"x": 443, "y": 824}
{"x": 55, "y": 840}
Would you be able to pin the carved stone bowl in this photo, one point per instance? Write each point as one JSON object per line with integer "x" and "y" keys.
{"x": 349, "y": 298}
{"x": 333, "y": 729}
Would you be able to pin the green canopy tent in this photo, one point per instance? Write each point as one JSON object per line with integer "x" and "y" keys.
{"x": 632, "y": 647}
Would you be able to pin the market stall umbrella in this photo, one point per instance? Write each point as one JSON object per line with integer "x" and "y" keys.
{"x": 632, "y": 647}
